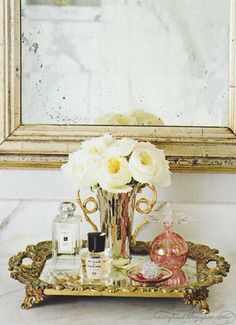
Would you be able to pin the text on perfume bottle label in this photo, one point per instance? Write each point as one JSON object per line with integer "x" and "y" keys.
{"x": 94, "y": 267}
{"x": 65, "y": 244}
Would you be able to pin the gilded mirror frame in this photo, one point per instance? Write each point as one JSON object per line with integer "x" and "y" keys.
{"x": 47, "y": 146}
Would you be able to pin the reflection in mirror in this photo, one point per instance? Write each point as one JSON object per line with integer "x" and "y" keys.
{"x": 134, "y": 62}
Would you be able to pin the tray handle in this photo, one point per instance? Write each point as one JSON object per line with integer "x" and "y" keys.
{"x": 28, "y": 273}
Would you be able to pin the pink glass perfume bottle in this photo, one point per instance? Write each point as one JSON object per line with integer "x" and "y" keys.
{"x": 169, "y": 249}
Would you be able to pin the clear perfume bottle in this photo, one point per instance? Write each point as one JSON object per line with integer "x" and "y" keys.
{"x": 96, "y": 261}
{"x": 66, "y": 240}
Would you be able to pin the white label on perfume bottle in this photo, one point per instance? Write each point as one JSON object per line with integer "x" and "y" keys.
{"x": 94, "y": 267}
{"x": 65, "y": 244}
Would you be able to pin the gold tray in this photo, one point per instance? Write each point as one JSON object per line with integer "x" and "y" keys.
{"x": 39, "y": 281}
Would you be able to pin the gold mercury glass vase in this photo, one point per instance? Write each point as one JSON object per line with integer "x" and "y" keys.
{"x": 116, "y": 221}
{"x": 116, "y": 218}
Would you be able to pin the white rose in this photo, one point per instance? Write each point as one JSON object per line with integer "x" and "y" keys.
{"x": 148, "y": 164}
{"x": 97, "y": 145}
{"x": 114, "y": 175}
{"x": 81, "y": 169}
{"x": 122, "y": 148}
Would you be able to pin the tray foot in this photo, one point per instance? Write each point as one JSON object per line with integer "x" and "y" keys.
{"x": 34, "y": 295}
{"x": 198, "y": 297}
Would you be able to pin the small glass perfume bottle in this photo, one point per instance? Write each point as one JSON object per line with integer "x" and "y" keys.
{"x": 66, "y": 240}
{"x": 96, "y": 261}
{"x": 169, "y": 249}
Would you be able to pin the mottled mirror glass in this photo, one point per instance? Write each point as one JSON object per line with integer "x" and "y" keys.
{"x": 113, "y": 61}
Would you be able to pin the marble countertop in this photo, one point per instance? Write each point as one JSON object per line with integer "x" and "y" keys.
{"x": 24, "y": 222}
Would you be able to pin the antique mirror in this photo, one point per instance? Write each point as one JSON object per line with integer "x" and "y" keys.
{"x": 156, "y": 70}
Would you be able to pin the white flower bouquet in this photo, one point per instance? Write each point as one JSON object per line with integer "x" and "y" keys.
{"x": 116, "y": 165}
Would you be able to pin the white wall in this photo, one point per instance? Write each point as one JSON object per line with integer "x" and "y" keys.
{"x": 185, "y": 187}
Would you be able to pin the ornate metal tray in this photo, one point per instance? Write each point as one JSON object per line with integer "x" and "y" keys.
{"x": 40, "y": 283}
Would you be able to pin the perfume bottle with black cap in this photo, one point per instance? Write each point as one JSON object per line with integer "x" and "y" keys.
{"x": 96, "y": 260}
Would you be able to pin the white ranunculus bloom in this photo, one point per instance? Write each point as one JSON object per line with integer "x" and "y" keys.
{"x": 163, "y": 177}
{"x": 148, "y": 164}
{"x": 114, "y": 175}
{"x": 122, "y": 148}
{"x": 98, "y": 145}
{"x": 81, "y": 169}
